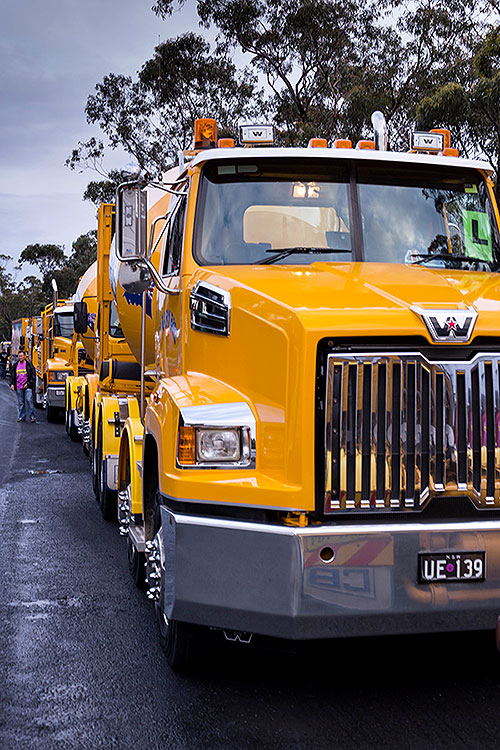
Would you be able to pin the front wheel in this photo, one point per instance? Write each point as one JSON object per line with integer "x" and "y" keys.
{"x": 73, "y": 428}
{"x": 136, "y": 564}
{"x": 38, "y": 394}
{"x": 52, "y": 414}
{"x": 174, "y": 640}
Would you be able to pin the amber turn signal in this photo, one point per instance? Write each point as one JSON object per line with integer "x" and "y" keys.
{"x": 186, "y": 449}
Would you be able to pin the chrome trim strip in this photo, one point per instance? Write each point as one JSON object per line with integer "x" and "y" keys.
{"x": 341, "y": 530}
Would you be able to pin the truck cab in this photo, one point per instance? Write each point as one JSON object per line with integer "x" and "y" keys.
{"x": 320, "y": 455}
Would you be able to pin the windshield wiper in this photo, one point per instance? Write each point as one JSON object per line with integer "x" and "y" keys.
{"x": 286, "y": 251}
{"x": 449, "y": 256}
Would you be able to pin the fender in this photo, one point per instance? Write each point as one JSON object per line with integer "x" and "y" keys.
{"x": 74, "y": 386}
{"x": 131, "y": 449}
{"x": 228, "y": 485}
{"x": 90, "y": 389}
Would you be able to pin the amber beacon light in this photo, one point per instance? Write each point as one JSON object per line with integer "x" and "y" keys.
{"x": 205, "y": 133}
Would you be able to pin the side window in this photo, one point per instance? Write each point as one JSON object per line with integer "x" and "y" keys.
{"x": 173, "y": 243}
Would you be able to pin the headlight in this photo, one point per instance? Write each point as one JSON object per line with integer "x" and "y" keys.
{"x": 214, "y": 445}
{"x": 59, "y": 375}
{"x": 217, "y": 445}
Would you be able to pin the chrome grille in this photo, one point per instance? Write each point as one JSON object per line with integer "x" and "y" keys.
{"x": 401, "y": 430}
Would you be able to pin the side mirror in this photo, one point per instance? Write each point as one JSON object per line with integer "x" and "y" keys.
{"x": 131, "y": 210}
{"x": 134, "y": 277}
{"x": 80, "y": 317}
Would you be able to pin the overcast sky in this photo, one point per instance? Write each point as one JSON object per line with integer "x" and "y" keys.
{"x": 52, "y": 53}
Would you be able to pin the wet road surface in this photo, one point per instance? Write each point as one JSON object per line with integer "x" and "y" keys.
{"x": 81, "y": 665}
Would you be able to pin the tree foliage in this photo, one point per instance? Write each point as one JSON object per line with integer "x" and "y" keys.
{"x": 152, "y": 117}
{"x": 471, "y": 106}
{"x": 313, "y": 67}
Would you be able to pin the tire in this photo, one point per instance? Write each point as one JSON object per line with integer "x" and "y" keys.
{"x": 93, "y": 463}
{"x": 67, "y": 402}
{"x": 174, "y": 640}
{"x": 108, "y": 499}
{"x": 73, "y": 429}
{"x": 136, "y": 566}
{"x": 52, "y": 414}
{"x": 38, "y": 404}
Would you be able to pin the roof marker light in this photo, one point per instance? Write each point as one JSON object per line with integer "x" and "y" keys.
{"x": 317, "y": 143}
{"x": 450, "y": 152}
{"x": 369, "y": 145}
{"x": 446, "y": 135}
{"x": 342, "y": 143}
{"x": 225, "y": 143}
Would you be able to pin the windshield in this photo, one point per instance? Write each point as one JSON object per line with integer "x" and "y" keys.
{"x": 404, "y": 213}
{"x": 63, "y": 324}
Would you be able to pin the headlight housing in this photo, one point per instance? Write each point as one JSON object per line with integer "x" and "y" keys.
{"x": 59, "y": 375}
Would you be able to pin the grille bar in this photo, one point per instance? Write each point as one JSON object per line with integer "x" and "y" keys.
{"x": 401, "y": 430}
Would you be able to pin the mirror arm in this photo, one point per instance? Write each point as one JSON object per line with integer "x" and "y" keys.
{"x": 159, "y": 283}
{"x": 151, "y": 234}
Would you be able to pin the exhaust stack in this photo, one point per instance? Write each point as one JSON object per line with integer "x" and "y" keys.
{"x": 54, "y": 293}
{"x": 380, "y": 128}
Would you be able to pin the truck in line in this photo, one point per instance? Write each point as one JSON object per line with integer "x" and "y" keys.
{"x": 314, "y": 451}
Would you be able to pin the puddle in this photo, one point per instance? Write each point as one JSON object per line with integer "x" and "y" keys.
{"x": 70, "y": 601}
{"x": 45, "y": 471}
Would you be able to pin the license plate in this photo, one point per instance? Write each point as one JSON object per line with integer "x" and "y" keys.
{"x": 446, "y": 567}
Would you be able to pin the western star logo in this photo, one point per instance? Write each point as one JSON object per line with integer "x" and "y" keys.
{"x": 448, "y": 325}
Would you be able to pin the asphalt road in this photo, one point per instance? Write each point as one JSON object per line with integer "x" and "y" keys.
{"x": 81, "y": 665}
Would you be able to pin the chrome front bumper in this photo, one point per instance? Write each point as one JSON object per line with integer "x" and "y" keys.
{"x": 56, "y": 395}
{"x": 272, "y": 580}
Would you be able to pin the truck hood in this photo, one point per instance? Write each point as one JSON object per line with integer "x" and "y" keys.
{"x": 360, "y": 298}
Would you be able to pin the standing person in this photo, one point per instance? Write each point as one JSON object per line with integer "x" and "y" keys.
{"x": 22, "y": 380}
{"x": 3, "y": 364}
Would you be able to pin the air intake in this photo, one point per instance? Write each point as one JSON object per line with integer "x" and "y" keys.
{"x": 210, "y": 309}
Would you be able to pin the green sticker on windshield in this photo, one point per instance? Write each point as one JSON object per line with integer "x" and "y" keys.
{"x": 477, "y": 235}
{"x": 470, "y": 188}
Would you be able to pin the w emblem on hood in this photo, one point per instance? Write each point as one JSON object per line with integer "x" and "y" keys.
{"x": 448, "y": 325}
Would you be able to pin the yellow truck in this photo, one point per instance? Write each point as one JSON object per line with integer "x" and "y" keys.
{"x": 81, "y": 355}
{"x": 319, "y": 455}
{"x": 109, "y": 394}
{"x": 34, "y": 336}
{"x": 59, "y": 356}
{"x": 18, "y": 337}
